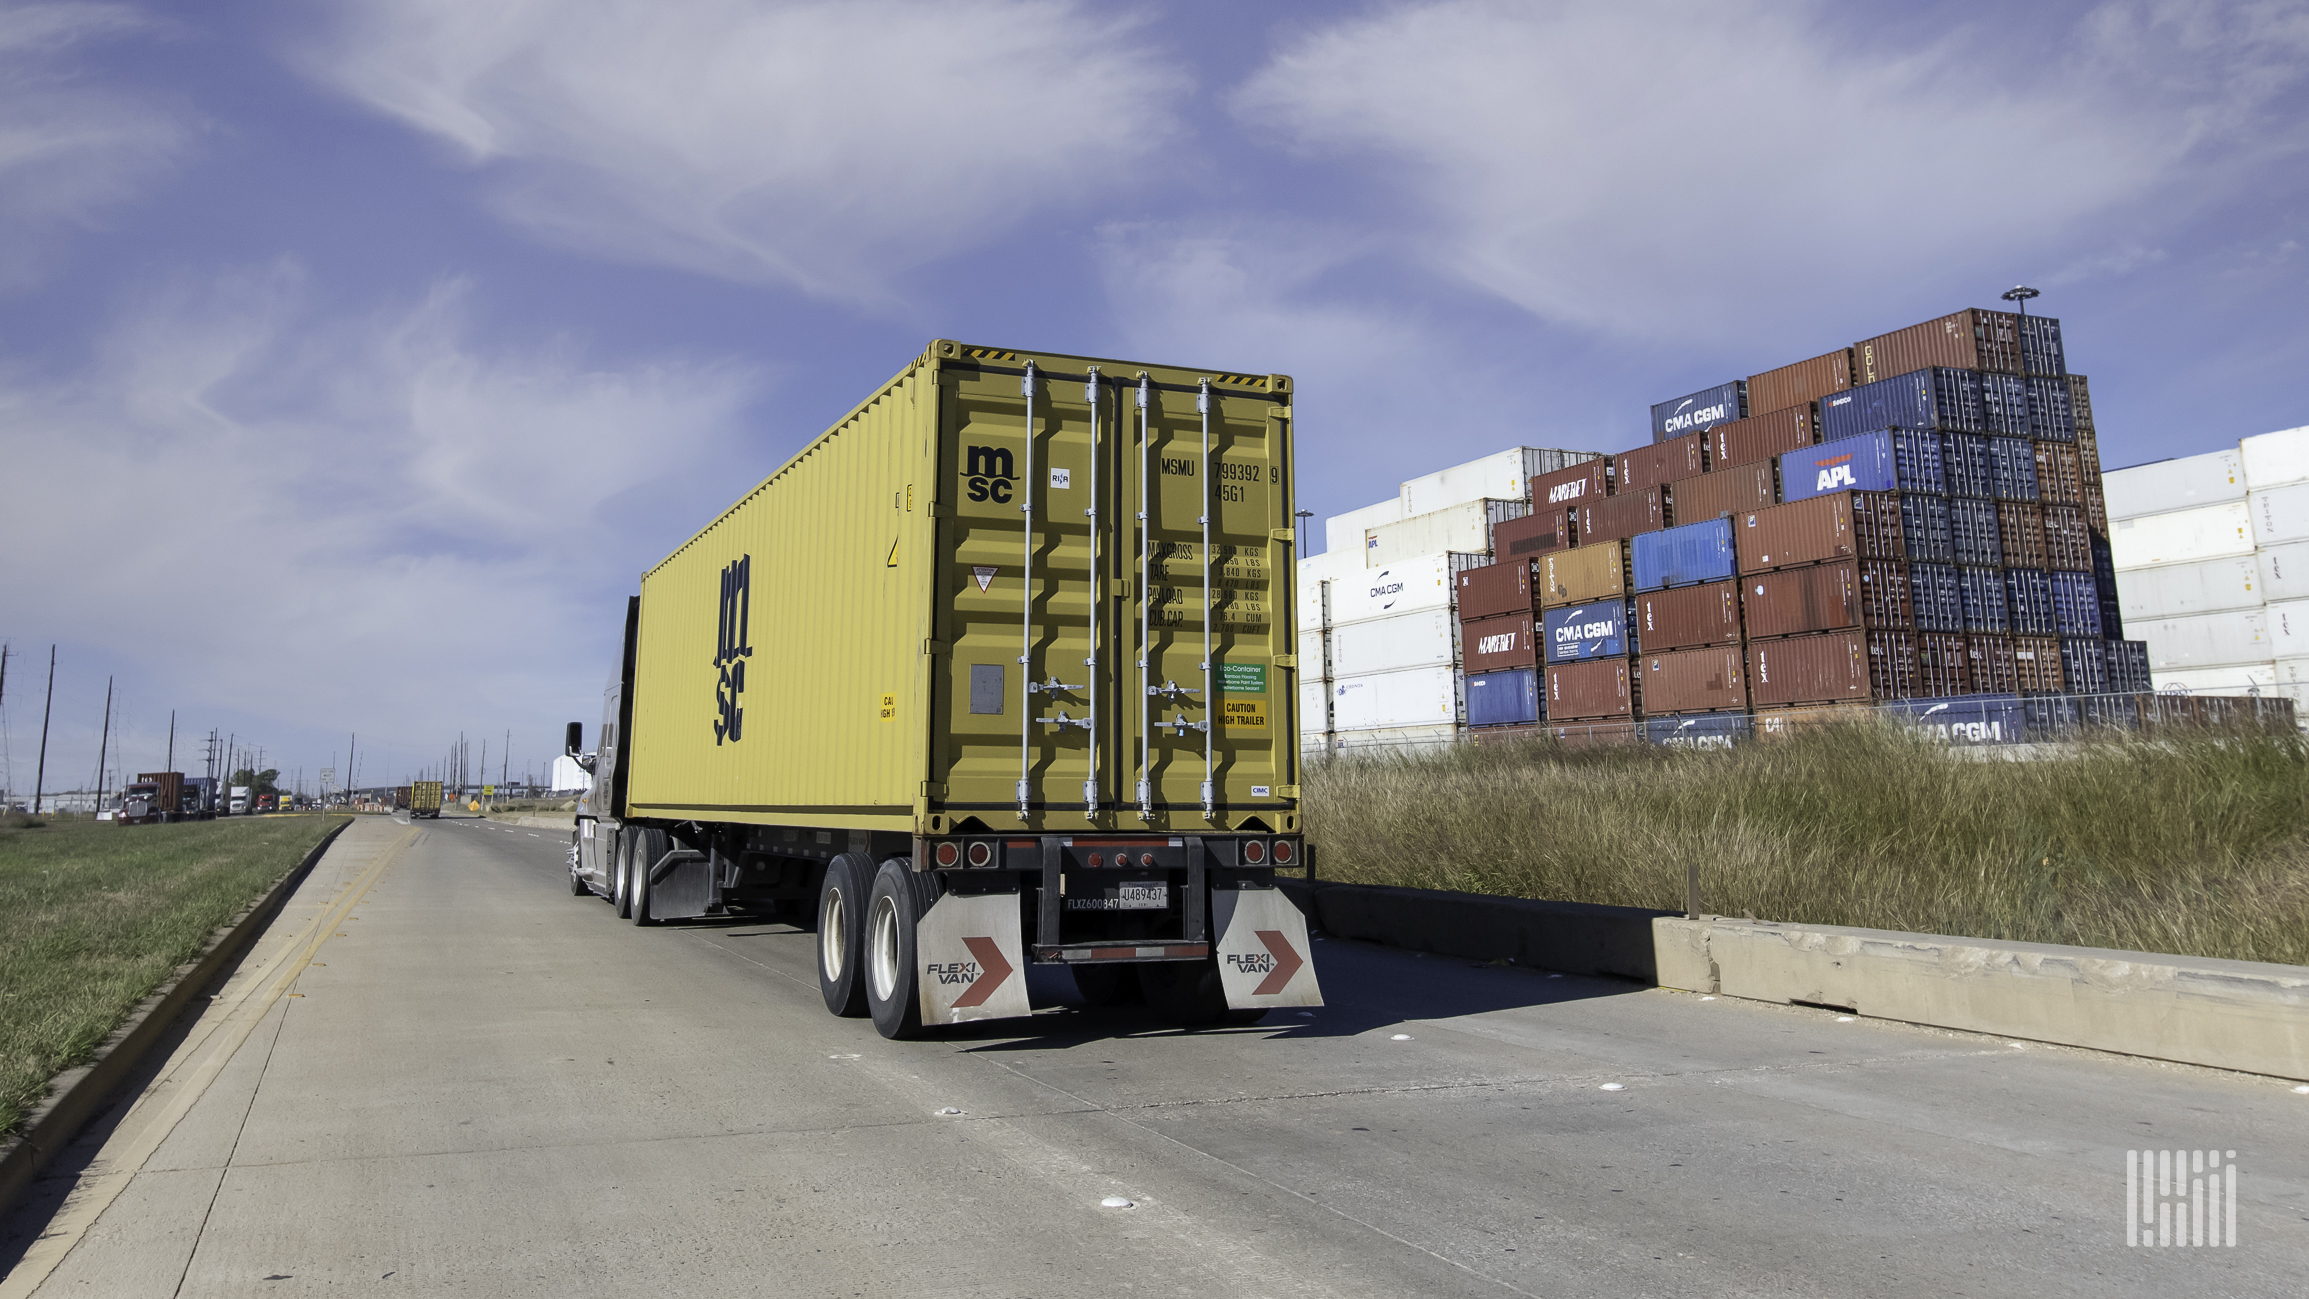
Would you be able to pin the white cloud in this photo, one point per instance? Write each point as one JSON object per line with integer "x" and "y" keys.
{"x": 346, "y": 523}
{"x": 1682, "y": 172}
{"x": 829, "y": 146}
{"x": 70, "y": 149}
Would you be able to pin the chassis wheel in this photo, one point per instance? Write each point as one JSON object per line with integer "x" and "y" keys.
{"x": 648, "y": 846}
{"x": 893, "y": 989}
{"x": 621, "y": 875}
{"x": 576, "y": 881}
{"x": 1107, "y": 984}
{"x": 1186, "y": 993}
{"x": 841, "y": 932}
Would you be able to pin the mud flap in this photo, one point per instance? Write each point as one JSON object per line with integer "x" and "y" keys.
{"x": 1264, "y": 957}
{"x": 972, "y": 959}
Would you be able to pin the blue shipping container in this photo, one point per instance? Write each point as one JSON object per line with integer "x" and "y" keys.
{"x": 1983, "y": 592}
{"x": 1589, "y": 631}
{"x": 1935, "y": 598}
{"x": 1935, "y": 399}
{"x": 1972, "y": 531}
{"x": 1683, "y": 556}
{"x": 1700, "y": 730}
{"x": 1964, "y": 463}
{"x": 1963, "y": 719}
{"x": 2004, "y": 405}
{"x": 1702, "y": 410}
{"x": 2012, "y": 469}
{"x": 2050, "y": 415}
{"x": 1883, "y": 461}
{"x": 2028, "y": 602}
{"x": 2085, "y": 660}
{"x": 2128, "y": 666}
{"x": 2105, "y": 585}
{"x": 2076, "y": 605}
{"x": 1509, "y": 698}
{"x": 1924, "y": 529}
{"x": 2040, "y": 349}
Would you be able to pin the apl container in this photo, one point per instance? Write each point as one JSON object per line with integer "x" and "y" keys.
{"x": 1981, "y": 591}
{"x": 1924, "y": 528}
{"x": 1871, "y": 594}
{"x": 1972, "y": 339}
{"x": 1621, "y": 516}
{"x": 1935, "y": 597}
{"x": 1973, "y": 532}
{"x": 1597, "y": 630}
{"x": 2012, "y": 469}
{"x": 1494, "y": 644}
{"x": 1509, "y": 698}
{"x": 1533, "y": 535}
{"x": 2028, "y": 602}
{"x": 1887, "y": 460}
{"x": 1934, "y": 400}
{"x": 1502, "y": 587}
{"x": 1965, "y": 464}
{"x": 1700, "y": 730}
{"x": 1701, "y": 410}
{"x": 1662, "y": 462}
{"x": 1583, "y": 573}
{"x": 1808, "y": 669}
{"x": 1763, "y": 437}
{"x": 1694, "y": 681}
{"x": 1688, "y": 617}
{"x": 2051, "y": 417}
{"x": 1592, "y": 691}
{"x": 1722, "y": 492}
{"x": 1685, "y": 555}
{"x": 1805, "y": 381}
{"x": 2076, "y": 607}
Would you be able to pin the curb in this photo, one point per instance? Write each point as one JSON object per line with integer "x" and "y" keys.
{"x": 79, "y": 1094}
{"x": 2246, "y": 1016}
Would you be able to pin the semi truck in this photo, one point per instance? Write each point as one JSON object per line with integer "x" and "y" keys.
{"x": 424, "y": 798}
{"x": 154, "y": 798}
{"x": 1018, "y": 691}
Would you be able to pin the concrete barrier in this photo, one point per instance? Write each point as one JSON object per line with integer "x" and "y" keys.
{"x": 2244, "y": 1015}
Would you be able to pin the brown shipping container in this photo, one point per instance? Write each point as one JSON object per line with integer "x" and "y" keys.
{"x": 1989, "y": 665}
{"x": 2059, "y": 480}
{"x": 1494, "y": 644}
{"x": 1942, "y": 665}
{"x": 1616, "y": 518}
{"x": 2036, "y": 664}
{"x": 1694, "y": 681}
{"x": 1497, "y": 588}
{"x": 1800, "y": 532}
{"x": 2088, "y": 456}
{"x": 2068, "y": 547}
{"x": 1581, "y": 574}
{"x": 2080, "y": 403}
{"x": 1686, "y": 617}
{"x": 1720, "y": 492}
{"x": 1594, "y": 690}
{"x": 1573, "y": 485}
{"x": 1969, "y": 340}
{"x": 1808, "y": 669}
{"x": 1876, "y": 525}
{"x": 1662, "y": 462}
{"x": 2096, "y": 507}
{"x": 1892, "y": 664}
{"x": 1871, "y": 594}
{"x": 2020, "y": 526}
{"x": 1532, "y": 535}
{"x": 1762, "y": 437}
{"x": 1805, "y": 381}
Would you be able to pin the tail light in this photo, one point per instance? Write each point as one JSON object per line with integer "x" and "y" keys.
{"x": 981, "y": 854}
{"x": 1098, "y": 859}
{"x": 1146, "y": 859}
{"x": 1254, "y": 851}
{"x": 1283, "y": 852}
{"x": 948, "y": 854}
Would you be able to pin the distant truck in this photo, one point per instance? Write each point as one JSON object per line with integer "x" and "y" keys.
{"x": 240, "y": 800}
{"x": 155, "y": 797}
{"x": 1021, "y": 690}
{"x": 425, "y": 798}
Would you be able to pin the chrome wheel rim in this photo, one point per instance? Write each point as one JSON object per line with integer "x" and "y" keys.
{"x": 882, "y": 947}
{"x": 833, "y": 949}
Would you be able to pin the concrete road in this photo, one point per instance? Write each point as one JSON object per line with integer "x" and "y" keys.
{"x": 442, "y": 1074}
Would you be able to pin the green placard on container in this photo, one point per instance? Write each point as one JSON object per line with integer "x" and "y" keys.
{"x": 1243, "y": 678}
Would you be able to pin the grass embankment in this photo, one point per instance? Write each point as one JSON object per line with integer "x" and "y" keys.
{"x": 94, "y": 917}
{"x": 2196, "y": 845}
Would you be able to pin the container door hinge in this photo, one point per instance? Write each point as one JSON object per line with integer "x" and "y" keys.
{"x": 1286, "y": 660}
{"x": 1123, "y": 587}
{"x": 937, "y": 789}
{"x": 935, "y": 647}
{"x": 1283, "y": 534}
{"x": 1286, "y": 791}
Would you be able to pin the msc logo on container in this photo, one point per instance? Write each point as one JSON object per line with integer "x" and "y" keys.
{"x": 988, "y": 475}
{"x": 732, "y": 647}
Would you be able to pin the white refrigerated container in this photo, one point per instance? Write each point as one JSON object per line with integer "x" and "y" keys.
{"x": 2184, "y": 590}
{"x": 2163, "y": 486}
{"x": 2180, "y": 536}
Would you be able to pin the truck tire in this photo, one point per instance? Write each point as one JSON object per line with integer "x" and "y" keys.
{"x": 1186, "y": 993}
{"x": 648, "y": 846}
{"x": 576, "y": 881}
{"x": 1108, "y": 984}
{"x": 841, "y": 932}
{"x": 621, "y": 875}
{"x": 892, "y": 975}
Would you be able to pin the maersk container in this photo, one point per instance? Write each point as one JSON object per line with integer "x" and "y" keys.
{"x": 2040, "y": 349}
{"x": 1700, "y": 730}
{"x": 1693, "y": 681}
{"x": 1802, "y": 382}
{"x": 2012, "y": 469}
{"x": 1700, "y": 411}
{"x": 1597, "y": 630}
{"x": 2284, "y": 574}
{"x": 1348, "y": 533}
{"x": 1936, "y": 599}
{"x": 1932, "y": 400}
{"x": 1981, "y": 591}
{"x": 2166, "y": 486}
{"x": 2275, "y": 459}
{"x": 1887, "y": 460}
{"x": 1509, "y": 698}
{"x": 1463, "y": 527}
{"x": 2050, "y": 416}
{"x": 1505, "y": 475}
{"x": 1963, "y": 719}
{"x": 1964, "y": 462}
{"x": 1925, "y": 530}
{"x": 2182, "y": 536}
{"x": 2206, "y": 640}
{"x": 1419, "y": 639}
{"x": 1973, "y": 532}
{"x": 2280, "y": 514}
{"x": 2076, "y": 605}
{"x": 1415, "y": 584}
{"x": 2028, "y": 602}
{"x": 1686, "y": 555}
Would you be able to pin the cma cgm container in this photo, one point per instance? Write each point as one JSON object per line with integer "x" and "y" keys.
{"x": 1699, "y": 730}
{"x": 1018, "y": 688}
{"x": 1532, "y": 535}
{"x": 1597, "y": 691}
{"x": 1870, "y": 594}
{"x": 1688, "y": 617}
{"x": 1694, "y": 681}
{"x": 1583, "y": 573}
{"x": 1682, "y": 556}
{"x": 1509, "y": 698}
{"x": 1724, "y": 492}
{"x": 1700, "y": 411}
{"x": 1968, "y": 340}
{"x": 1805, "y": 381}
{"x": 1618, "y": 517}
{"x": 1763, "y": 437}
{"x": 1663, "y": 462}
{"x": 1412, "y": 586}
{"x": 1502, "y": 587}
{"x": 1580, "y": 632}
{"x": 1938, "y": 399}
{"x": 1883, "y": 461}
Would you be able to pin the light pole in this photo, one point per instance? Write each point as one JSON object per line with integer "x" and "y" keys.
{"x": 2018, "y": 295}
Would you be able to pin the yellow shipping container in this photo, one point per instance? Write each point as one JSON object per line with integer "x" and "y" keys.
{"x": 1592, "y": 572}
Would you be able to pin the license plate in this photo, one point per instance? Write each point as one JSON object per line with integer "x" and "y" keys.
{"x": 1153, "y": 896}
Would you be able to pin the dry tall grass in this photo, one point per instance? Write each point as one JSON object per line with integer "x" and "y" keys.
{"x": 2191, "y": 844}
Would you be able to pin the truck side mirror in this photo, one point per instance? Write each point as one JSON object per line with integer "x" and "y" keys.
{"x": 575, "y": 740}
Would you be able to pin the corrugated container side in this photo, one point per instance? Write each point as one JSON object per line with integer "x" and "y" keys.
{"x": 1662, "y": 462}
{"x": 1779, "y": 723}
{"x": 1991, "y": 665}
{"x": 1935, "y": 598}
{"x": 2080, "y": 402}
{"x": 1532, "y": 535}
{"x": 1621, "y": 516}
{"x": 1934, "y": 400}
{"x": 2012, "y": 469}
{"x": 1688, "y": 617}
{"x": 2096, "y": 509}
{"x": 1886, "y": 460}
{"x": 2036, "y": 665}
{"x": 2020, "y": 533}
{"x": 1763, "y": 437}
{"x": 2206, "y": 640}
{"x": 1415, "y": 583}
{"x": 1965, "y": 463}
{"x": 1501, "y": 475}
{"x": 2280, "y": 514}
{"x": 1809, "y": 669}
{"x": 2273, "y": 459}
{"x": 1700, "y": 730}
{"x": 2128, "y": 664}
{"x": 1502, "y": 587}
{"x": 2028, "y": 602}
{"x": 1598, "y": 629}
{"x": 1982, "y": 592}
{"x": 1684, "y": 555}
{"x": 1701, "y": 410}
{"x": 2068, "y": 543}
{"x": 1509, "y": 698}
{"x": 2165, "y": 486}
{"x": 1392, "y": 700}
{"x": 2182, "y": 536}
{"x": 1804, "y": 381}
{"x": 1877, "y": 526}
{"x": 1590, "y": 691}
{"x": 1495, "y": 644}
{"x": 1973, "y": 532}
{"x": 2284, "y": 573}
{"x": 1924, "y": 528}
{"x": 2004, "y": 405}
{"x": 2289, "y": 629}
{"x": 1943, "y": 666}
{"x": 1801, "y": 532}
{"x": 1346, "y": 533}
{"x": 2059, "y": 477}
{"x": 1572, "y": 486}
{"x": 1583, "y": 573}
{"x": 2076, "y": 606}
{"x": 1724, "y": 492}
{"x": 1972, "y": 339}
{"x": 2105, "y": 586}
{"x": 1407, "y": 640}
{"x": 1694, "y": 681}
{"x": 1463, "y": 527}
{"x": 2040, "y": 349}
{"x": 2050, "y": 416}
{"x": 1868, "y": 594}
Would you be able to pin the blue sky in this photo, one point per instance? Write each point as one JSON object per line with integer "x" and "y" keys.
{"x": 355, "y": 359}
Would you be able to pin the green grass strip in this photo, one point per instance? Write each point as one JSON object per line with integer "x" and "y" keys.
{"x": 94, "y": 917}
{"x": 2185, "y": 843}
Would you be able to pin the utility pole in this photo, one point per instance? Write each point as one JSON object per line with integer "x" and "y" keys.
{"x": 504, "y": 763}
{"x": 351, "y": 737}
{"x": 102, "y": 743}
{"x": 170, "y": 765}
{"x": 40, "y": 775}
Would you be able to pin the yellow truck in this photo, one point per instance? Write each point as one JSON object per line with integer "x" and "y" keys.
{"x": 425, "y": 798}
{"x": 998, "y": 670}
